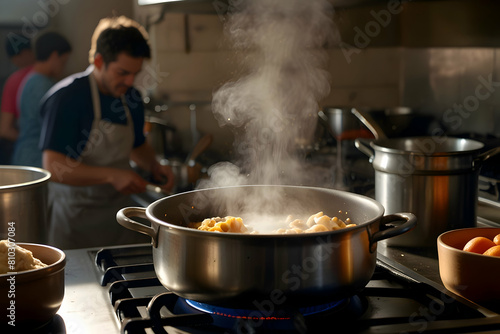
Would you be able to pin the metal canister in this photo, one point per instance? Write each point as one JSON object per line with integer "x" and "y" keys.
{"x": 23, "y": 204}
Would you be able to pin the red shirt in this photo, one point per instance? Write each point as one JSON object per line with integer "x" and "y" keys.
{"x": 11, "y": 89}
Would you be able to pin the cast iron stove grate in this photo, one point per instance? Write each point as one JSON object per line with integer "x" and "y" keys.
{"x": 392, "y": 302}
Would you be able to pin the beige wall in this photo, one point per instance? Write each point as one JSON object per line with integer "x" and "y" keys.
{"x": 75, "y": 19}
{"x": 431, "y": 80}
{"x": 189, "y": 65}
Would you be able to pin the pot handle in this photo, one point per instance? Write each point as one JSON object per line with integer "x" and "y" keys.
{"x": 486, "y": 155}
{"x": 123, "y": 218}
{"x": 364, "y": 146}
{"x": 394, "y": 225}
{"x": 369, "y": 122}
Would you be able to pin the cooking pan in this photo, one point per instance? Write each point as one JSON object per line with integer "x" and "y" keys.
{"x": 244, "y": 270}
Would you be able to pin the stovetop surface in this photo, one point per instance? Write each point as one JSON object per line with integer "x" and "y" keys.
{"x": 396, "y": 300}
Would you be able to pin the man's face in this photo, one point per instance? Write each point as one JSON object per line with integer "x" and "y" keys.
{"x": 118, "y": 76}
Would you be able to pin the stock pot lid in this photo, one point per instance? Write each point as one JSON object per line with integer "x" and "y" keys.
{"x": 426, "y": 155}
{"x": 430, "y": 146}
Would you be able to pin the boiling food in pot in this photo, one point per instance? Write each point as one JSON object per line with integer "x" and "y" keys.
{"x": 217, "y": 224}
{"x": 318, "y": 222}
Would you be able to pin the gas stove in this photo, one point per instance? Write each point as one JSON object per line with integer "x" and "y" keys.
{"x": 115, "y": 290}
{"x": 396, "y": 300}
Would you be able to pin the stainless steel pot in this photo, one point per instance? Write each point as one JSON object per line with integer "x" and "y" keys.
{"x": 236, "y": 270}
{"x": 434, "y": 178}
{"x": 342, "y": 123}
{"x": 23, "y": 203}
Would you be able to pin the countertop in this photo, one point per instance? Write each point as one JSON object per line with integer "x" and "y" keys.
{"x": 86, "y": 307}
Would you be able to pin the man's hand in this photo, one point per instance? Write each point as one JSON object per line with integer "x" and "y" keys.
{"x": 128, "y": 182}
{"x": 72, "y": 172}
{"x": 144, "y": 157}
{"x": 164, "y": 175}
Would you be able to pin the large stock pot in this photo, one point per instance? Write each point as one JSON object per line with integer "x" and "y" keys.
{"x": 234, "y": 269}
{"x": 23, "y": 203}
{"x": 436, "y": 178}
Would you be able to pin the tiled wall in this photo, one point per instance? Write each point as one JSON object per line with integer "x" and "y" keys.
{"x": 192, "y": 65}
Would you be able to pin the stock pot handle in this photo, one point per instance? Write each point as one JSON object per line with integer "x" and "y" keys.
{"x": 394, "y": 225}
{"x": 123, "y": 218}
{"x": 363, "y": 145}
{"x": 484, "y": 156}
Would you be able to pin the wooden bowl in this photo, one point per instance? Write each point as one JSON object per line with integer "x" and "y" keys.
{"x": 36, "y": 294}
{"x": 473, "y": 276}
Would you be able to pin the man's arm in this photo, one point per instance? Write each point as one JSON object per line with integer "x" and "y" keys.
{"x": 72, "y": 172}
{"x": 8, "y": 129}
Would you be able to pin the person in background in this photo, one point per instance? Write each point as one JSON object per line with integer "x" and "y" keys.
{"x": 51, "y": 51}
{"x": 18, "y": 49}
{"x": 92, "y": 128}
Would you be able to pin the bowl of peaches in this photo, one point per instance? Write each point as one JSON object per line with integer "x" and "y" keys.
{"x": 469, "y": 263}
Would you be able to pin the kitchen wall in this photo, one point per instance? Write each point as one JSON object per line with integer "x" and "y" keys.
{"x": 75, "y": 19}
{"x": 437, "y": 58}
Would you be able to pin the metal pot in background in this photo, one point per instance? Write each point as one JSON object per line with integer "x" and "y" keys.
{"x": 342, "y": 124}
{"x": 23, "y": 203}
{"x": 187, "y": 172}
{"x": 343, "y": 127}
{"x": 396, "y": 122}
{"x": 163, "y": 136}
{"x": 434, "y": 178}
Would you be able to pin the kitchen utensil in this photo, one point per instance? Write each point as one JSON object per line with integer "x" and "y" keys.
{"x": 199, "y": 148}
{"x": 235, "y": 269}
{"x": 434, "y": 178}
{"x": 157, "y": 189}
{"x": 473, "y": 276}
{"x": 38, "y": 293}
{"x": 23, "y": 201}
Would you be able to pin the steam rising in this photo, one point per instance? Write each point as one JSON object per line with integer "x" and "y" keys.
{"x": 273, "y": 106}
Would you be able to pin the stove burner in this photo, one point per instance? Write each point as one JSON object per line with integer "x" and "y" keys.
{"x": 283, "y": 319}
{"x": 278, "y": 314}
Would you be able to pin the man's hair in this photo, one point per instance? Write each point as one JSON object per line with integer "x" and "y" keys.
{"x": 15, "y": 43}
{"x": 115, "y": 35}
{"x": 49, "y": 42}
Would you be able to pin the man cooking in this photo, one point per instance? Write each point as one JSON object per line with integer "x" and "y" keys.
{"x": 92, "y": 127}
